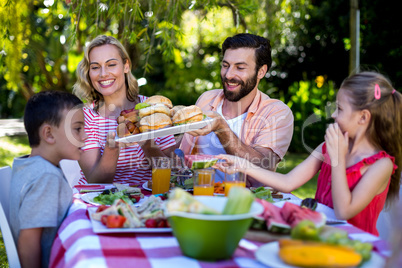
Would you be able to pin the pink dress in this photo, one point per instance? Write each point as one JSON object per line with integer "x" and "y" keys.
{"x": 367, "y": 218}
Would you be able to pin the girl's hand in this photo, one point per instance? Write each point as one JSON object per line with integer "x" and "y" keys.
{"x": 337, "y": 143}
{"x": 232, "y": 164}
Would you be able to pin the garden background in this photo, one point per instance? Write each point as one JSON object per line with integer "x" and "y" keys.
{"x": 175, "y": 48}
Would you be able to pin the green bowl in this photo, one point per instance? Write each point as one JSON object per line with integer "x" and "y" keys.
{"x": 211, "y": 237}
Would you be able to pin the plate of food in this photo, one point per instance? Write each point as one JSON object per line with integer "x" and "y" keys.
{"x": 156, "y": 117}
{"x": 132, "y": 195}
{"x": 122, "y": 218}
{"x": 268, "y": 254}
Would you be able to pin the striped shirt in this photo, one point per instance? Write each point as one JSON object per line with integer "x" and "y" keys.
{"x": 132, "y": 166}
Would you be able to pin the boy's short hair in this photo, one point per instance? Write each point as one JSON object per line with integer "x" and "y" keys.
{"x": 46, "y": 107}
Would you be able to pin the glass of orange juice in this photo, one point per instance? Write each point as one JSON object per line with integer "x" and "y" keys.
{"x": 161, "y": 171}
{"x": 235, "y": 179}
{"x": 204, "y": 181}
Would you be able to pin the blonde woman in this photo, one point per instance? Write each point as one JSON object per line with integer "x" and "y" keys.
{"x": 106, "y": 83}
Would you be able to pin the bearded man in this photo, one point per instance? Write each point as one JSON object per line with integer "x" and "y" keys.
{"x": 248, "y": 123}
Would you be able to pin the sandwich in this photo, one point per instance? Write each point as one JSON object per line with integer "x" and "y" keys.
{"x": 189, "y": 114}
{"x": 155, "y": 121}
{"x": 156, "y": 99}
{"x": 156, "y": 108}
{"x": 175, "y": 109}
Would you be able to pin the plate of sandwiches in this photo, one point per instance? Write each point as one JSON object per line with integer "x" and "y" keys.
{"x": 157, "y": 117}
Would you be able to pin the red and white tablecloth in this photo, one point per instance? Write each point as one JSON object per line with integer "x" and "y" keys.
{"x": 76, "y": 245}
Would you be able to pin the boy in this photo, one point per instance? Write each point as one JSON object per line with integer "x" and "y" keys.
{"x": 40, "y": 194}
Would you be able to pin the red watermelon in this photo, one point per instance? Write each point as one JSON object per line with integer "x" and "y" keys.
{"x": 293, "y": 214}
{"x": 272, "y": 216}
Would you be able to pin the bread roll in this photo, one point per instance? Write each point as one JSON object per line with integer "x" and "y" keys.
{"x": 175, "y": 109}
{"x": 159, "y": 99}
{"x": 154, "y": 121}
{"x": 188, "y": 114}
{"x": 157, "y": 108}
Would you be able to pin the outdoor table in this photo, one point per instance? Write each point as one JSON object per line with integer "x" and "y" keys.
{"x": 76, "y": 245}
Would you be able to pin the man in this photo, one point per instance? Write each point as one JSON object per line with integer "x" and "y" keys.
{"x": 248, "y": 123}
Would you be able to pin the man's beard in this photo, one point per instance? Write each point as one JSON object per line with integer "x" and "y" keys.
{"x": 245, "y": 88}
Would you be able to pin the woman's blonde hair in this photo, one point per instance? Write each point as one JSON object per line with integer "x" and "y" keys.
{"x": 374, "y": 92}
{"x": 84, "y": 89}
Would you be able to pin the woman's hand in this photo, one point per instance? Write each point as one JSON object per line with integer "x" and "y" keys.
{"x": 111, "y": 143}
{"x": 337, "y": 143}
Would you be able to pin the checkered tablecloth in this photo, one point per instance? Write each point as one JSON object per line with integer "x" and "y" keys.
{"x": 76, "y": 245}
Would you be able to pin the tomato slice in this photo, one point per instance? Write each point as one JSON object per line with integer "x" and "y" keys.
{"x": 150, "y": 223}
{"x": 115, "y": 221}
{"x": 104, "y": 219}
{"x": 101, "y": 208}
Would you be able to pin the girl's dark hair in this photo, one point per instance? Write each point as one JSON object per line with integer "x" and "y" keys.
{"x": 46, "y": 107}
{"x": 245, "y": 40}
{"x": 374, "y": 92}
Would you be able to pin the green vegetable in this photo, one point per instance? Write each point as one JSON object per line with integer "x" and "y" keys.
{"x": 141, "y": 105}
{"x": 239, "y": 201}
{"x": 109, "y": 198}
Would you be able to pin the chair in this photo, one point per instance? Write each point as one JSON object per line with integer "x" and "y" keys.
{"x": 11, "y": 249}
{"x": 386, "y": 218}
{"x": 71, "y": 170}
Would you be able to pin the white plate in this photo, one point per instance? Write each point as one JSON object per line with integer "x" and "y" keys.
{"x": 165, "y": 131}
{"x": 329, "y": 212}
{"x": 145, "y": 186}
{"x": 268, "y": 255}
{"x": 89, "y": 198}
{"x": 99, "y": 228}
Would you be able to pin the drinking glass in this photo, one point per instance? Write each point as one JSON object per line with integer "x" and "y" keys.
{"x": 204, "y": 181}
{"x": 235, "y": 179}
{"x": 161, "y": 171}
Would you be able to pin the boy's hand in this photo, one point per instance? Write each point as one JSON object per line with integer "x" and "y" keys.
{"x": 337, "y": 144}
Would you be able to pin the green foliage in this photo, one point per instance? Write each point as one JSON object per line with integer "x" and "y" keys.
{"x": 312, "y": 107}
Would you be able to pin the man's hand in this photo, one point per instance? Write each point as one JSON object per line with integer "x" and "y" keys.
{"x": 217, "y": 125}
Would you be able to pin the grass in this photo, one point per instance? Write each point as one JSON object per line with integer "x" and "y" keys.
{"x": 11, "y": 147}
{"x": 288, "y": 163}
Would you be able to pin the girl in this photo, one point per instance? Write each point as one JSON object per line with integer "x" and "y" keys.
{"x": 360, "y": 160}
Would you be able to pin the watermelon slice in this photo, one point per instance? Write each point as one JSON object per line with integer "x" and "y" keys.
{"x": 199, "y": 161}
{"x": 293, "y": 214}
{"x": 273, "y": 218}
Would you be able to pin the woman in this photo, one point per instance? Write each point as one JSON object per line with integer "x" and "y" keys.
{"x": 105, "y": 81}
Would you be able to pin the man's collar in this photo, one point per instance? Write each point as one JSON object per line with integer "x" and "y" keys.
{"x": 252, "y": 109}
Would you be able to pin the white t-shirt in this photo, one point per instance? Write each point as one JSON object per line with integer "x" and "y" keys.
{"x": 210, "y": 144}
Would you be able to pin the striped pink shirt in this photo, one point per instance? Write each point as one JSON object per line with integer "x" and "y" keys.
{"x": 132, "y": 166}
